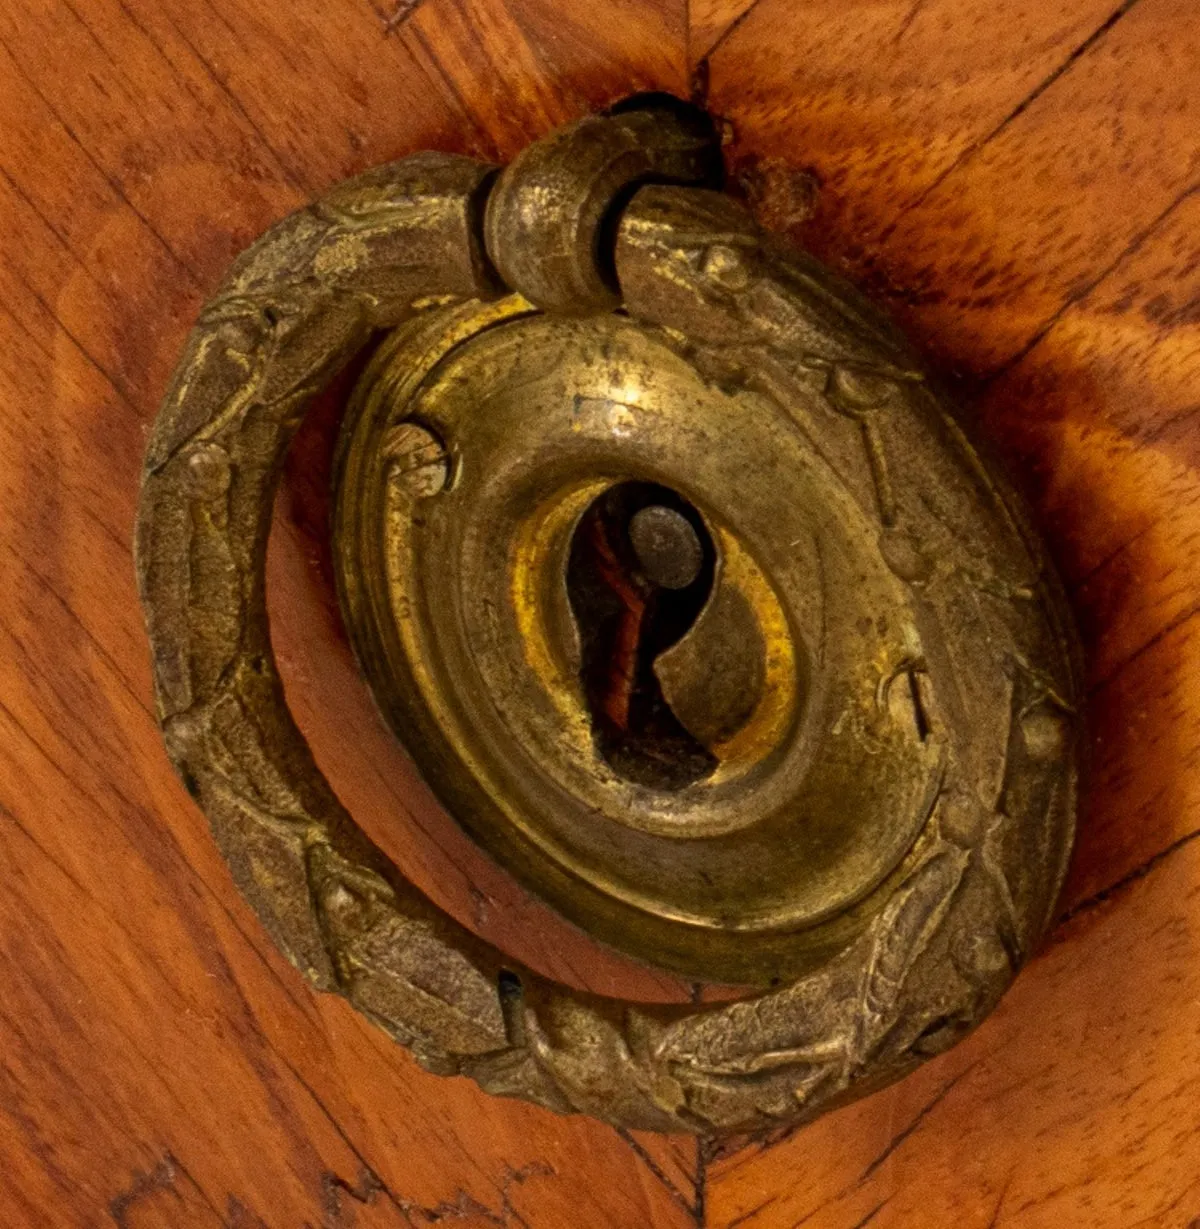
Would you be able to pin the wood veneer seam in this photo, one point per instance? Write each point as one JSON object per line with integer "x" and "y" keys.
{"x": 657, "y": 1171}
{"x": 1131, "y": 877}
{"x": 1081, "y": 295}
{"x": 1021, "y": 107}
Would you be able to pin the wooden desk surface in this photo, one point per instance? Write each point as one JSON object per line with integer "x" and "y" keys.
{"x": 1018, "y": 180}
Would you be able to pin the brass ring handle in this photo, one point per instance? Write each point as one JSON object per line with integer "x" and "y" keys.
{"x": 933, "y": 942}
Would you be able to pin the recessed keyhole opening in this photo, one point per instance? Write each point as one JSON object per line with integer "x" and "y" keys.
{"x": 640, "y": 571}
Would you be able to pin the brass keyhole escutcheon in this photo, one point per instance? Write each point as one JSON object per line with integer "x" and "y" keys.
{"x": 684, "y": 587}
{"x": 651, "y": 791}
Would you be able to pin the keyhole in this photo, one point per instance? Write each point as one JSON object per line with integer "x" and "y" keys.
{"x": 640, "y": 571}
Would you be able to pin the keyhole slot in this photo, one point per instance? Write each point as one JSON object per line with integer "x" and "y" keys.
{"x": 640, "y": 570}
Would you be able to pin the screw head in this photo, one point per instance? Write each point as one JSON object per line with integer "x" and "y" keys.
{"x": 417, "y": 461}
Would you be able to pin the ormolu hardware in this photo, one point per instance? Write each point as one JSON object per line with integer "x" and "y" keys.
{"x": 685, "y": 589}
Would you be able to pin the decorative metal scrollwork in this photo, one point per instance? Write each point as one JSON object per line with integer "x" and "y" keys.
{"x": 687, "y": 592}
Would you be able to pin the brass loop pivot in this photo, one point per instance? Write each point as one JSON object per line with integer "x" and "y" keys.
{"x": 551, "y": 220}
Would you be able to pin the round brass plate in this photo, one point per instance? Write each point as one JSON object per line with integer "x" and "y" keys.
{"x": 458, "y": 604}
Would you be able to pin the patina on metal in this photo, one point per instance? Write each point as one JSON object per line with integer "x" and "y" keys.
{"x": 687, "y": 592}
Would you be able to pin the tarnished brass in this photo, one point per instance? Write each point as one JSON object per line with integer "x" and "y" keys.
{"x": 687, "y": 593}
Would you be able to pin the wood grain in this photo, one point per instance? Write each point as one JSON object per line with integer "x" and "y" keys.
{"x": 1056, "y": 1112}
{"x": 709, "y": 21}
{"x": 1042, "y": 244}
{"x": 1020, "y": 183}
{"x": 162, "y": 1065}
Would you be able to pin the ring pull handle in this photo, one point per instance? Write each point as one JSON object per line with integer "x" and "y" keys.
{"x": 882, "y": 804}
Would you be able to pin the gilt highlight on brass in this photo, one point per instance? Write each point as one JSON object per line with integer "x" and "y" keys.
{"x": 685, "y": 589}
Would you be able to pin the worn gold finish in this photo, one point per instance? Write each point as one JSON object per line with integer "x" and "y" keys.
{"x": 753, "y": 871}
{"x": 702, "y": 615}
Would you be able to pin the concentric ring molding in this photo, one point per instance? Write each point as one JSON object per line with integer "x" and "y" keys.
{"x": 931, "y": 963}
{"x": 754, "y": 873}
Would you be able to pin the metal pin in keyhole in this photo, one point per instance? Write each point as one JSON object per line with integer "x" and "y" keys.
{"x": 667, "y": 546}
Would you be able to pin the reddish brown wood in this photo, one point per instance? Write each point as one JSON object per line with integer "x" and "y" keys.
{"x": 1035, "y": 226}
{"x": 1074, "y": 1105}
{"x": 162, "y": 1064}
{"x": 1019, "y": 182}
{"x": 709, "y": 21}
